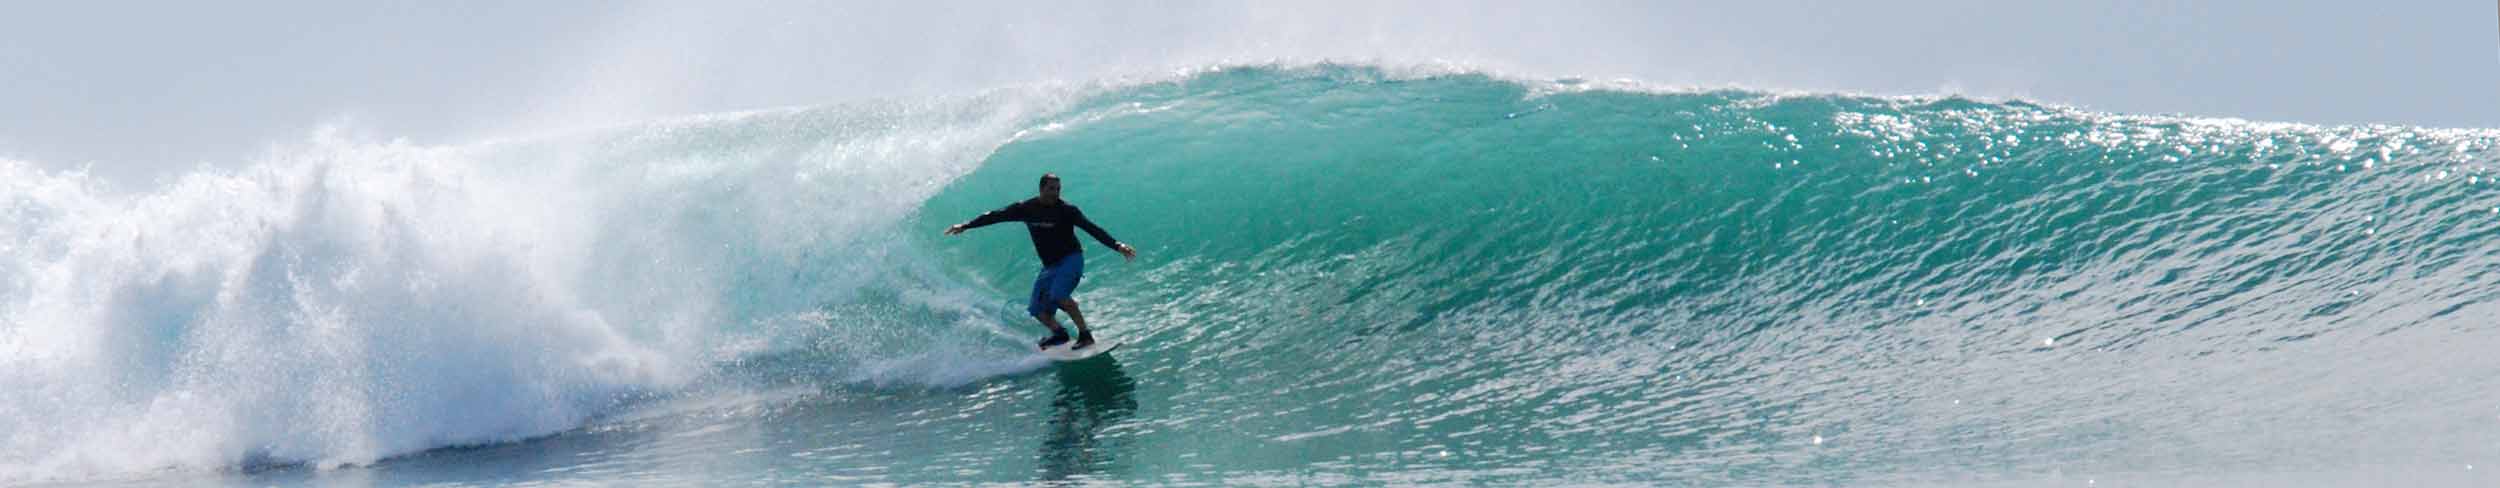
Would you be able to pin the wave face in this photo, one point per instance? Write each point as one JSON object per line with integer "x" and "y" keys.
{"x": 1347, "y": 275}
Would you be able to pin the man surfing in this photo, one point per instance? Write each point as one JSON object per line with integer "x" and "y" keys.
{"x": 1053, "y": 223}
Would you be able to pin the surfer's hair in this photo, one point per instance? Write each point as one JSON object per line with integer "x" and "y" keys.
{"x": 1048, "y": 178}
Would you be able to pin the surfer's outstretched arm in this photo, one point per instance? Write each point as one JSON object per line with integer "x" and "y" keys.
{"x": 1104, "y": 237}
{"x": 1014, "y": 212}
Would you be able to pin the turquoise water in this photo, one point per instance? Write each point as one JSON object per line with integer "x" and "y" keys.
{"x": 1348, "y": 275}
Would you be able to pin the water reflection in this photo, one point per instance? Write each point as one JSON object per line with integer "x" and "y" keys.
{"x": 1093, "y": 394}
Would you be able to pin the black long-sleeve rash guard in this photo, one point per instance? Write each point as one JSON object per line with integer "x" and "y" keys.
{"x": 1053, "y": 227}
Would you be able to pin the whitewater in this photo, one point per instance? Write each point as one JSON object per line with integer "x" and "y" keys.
{"x": 1348, "y": 275}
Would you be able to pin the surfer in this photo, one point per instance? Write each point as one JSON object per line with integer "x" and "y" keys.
{"x": 1053, "y": 223}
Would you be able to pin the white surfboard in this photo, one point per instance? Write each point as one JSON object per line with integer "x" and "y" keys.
{"x": 1063, "y": 353}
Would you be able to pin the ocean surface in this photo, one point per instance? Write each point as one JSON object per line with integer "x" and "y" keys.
{"x": 1347, "y": 275}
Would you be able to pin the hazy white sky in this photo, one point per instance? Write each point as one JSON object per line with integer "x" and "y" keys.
{"x": 141, "y": 88}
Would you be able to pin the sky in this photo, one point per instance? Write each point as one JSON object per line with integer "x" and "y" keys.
{"x": 141, "y": 89}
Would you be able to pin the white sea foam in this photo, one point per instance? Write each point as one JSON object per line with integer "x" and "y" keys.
{"x": 339, "y": 301}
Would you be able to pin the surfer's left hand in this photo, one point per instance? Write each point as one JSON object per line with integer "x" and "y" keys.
{"x": 1128, "y": 252}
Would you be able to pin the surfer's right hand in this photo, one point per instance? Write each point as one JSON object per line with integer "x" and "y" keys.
{"x": 956, "y": 229}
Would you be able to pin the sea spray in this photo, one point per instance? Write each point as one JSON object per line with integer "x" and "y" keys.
{"x": 340, "y": 301}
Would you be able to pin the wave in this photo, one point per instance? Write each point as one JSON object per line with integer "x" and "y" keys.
{"x": 1520, "y": 272}
{"x": 1710, "y": 284}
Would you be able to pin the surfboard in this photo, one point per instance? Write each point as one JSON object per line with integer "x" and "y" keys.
{"x": 1062, "y": 353}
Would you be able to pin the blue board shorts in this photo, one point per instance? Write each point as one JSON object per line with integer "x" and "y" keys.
{"x": 1056, "y": 283}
